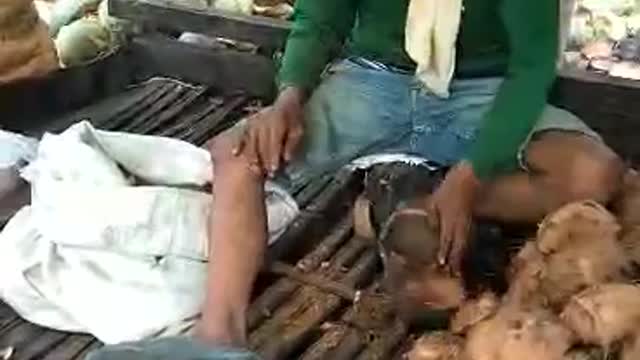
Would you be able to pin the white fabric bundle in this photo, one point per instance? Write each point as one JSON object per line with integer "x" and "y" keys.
{"x": 16, "y": 149}
{"x": 236, "y": 6}
{"x": 95, "y": 254}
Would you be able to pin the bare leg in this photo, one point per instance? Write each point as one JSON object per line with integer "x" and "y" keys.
{"x": 564, "y": 167}
{"x": 238, "y": 228}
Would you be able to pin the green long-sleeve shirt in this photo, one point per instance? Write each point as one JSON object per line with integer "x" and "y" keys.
{"x": 514, "y": 38}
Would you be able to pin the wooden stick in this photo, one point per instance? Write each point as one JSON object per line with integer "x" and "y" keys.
{"x": 323, "y": 306}
{"x": 282, "y": 289}
{"x": 331, "y": 338}
{"x": 317, "y": 281}
{"x": 305, "y": 297}
{"x": 382, "y": 347}
{"x": 345, "y": 339}
{"x": 339, "y": 342}
{"x": 350, "y": 346}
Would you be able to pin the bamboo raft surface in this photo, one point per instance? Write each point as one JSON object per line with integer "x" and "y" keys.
{"x": 315, "y": 300}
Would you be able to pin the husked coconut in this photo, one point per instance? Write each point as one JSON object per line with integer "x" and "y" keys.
{"x": 631, "y": 348}
{"x": 437, "y": 346}
{"x": 578, "y": 246}
{"x": 524, "y": 276}
{"x": 527, "y": 255}
{"x": 571, "y": 270}
{"x": 630, "y": 243}
{"x": 627, "y": 204}
{"x": 518, "y": 333}
{"x": 627, "y": 208}
{"x": 569, "y": 224}
{"x": 409, "y": 243}
{"x": 604, "y": 314}
{"x": 26, "y": 50}
{"x": 421, "y": 288}
{"x": 473, "y": 311}
{"x": 590, "y": 353}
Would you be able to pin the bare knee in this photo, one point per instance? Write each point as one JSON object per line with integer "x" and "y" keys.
{"x": 593, "y": 176}
{"x": 576, "y": 167}
{"x": 226, "y": 163}
{"x": 221, "y": 149}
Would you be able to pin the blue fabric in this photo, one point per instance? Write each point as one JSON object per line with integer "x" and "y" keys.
{"x": 363, "y": 108}
{"x": 170, "y": 348}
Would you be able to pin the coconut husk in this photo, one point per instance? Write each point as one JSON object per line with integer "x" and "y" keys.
{"x": 576, "y": 247}
{"x": 26, "y": 50}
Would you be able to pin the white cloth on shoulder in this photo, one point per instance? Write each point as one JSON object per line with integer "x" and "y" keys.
{"x": 430, "y": 40}
{"x": 94, "y": 253}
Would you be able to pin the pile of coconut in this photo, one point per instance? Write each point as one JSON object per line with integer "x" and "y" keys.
{"x": 569, "y": 288}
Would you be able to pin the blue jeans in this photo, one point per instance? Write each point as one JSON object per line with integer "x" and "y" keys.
{"x": 361, "y": 109}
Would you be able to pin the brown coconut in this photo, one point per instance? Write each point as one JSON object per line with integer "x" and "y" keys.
{"x": 631, "y": 348}
{"x": 627, "y": 209}
{"x": 579, "y": 248}
{"x": 416, "y": 289}
{"x": 518, "y": 333}
{"x": 409, "y": 243}
{"x": 627, "y": 204}
{"x": 630, "y": 243}
{"x": 474, "y": 311}
{"x": 26, "y": 50}
{"x": 524, "y": 276}
{"x": 604, "y": 314}
{"x": 437, "y": 346}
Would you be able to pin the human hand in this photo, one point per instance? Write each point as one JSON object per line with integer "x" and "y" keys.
{"x": 271, "y": 136}
{"x": 452, "y": 203}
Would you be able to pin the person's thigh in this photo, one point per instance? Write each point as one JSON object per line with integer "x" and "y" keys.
{"x": 557, "y": 150}
{"x": 558, "y": 137}
{"x": 445, "y": 128}
{"x": 571, "y": 158}
{"x": 355, "y": 111}
{"x": 558, "y": 128}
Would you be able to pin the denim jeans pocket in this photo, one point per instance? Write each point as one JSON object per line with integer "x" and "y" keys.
{"x": 465, "y": 132}
{"x": 338, "y": 66}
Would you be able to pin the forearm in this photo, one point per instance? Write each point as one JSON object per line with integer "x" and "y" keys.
{"x": 293, "y": 93}
{"x": 238, "y": 233}
{"x": 517, "y": 107}
{"x": 532, "y": 29}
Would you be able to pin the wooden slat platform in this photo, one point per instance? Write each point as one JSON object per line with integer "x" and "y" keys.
{"x": 30, "y": 342}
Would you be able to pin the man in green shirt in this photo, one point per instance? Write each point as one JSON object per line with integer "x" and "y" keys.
{"x": 348, "y": 90}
